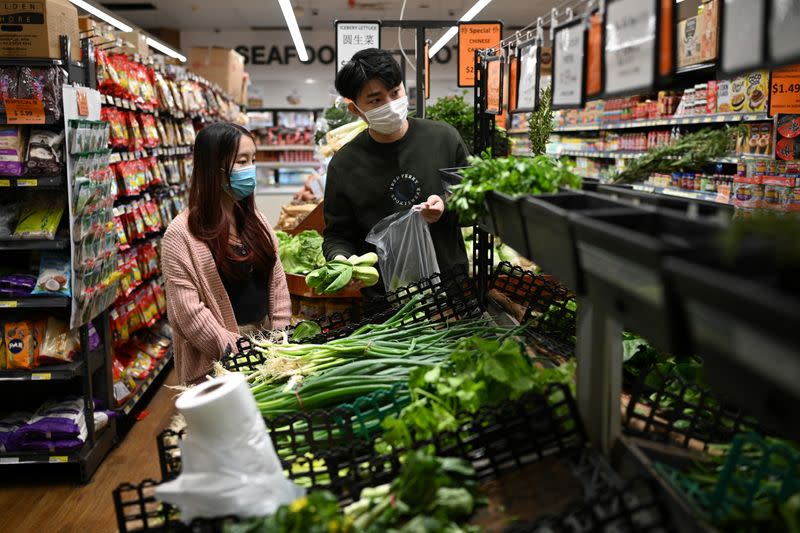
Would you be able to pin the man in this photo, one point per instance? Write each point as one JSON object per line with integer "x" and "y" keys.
{"x": 391, "y": 167}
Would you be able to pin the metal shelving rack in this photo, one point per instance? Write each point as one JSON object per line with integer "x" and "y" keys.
{"x": 90, "y": 367}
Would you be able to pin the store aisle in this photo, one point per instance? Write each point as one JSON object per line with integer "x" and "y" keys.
{"x": 39, "y": 504}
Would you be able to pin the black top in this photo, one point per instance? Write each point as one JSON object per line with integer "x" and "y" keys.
{"x": 248, "y": 292}
{"x": 368, "y": 181}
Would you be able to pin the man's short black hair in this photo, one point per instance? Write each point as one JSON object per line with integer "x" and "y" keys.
{"x": 364, "y": 66}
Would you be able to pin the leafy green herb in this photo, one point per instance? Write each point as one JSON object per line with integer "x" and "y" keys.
{"x": 305, "y": 330}
{"x": 690, "y": 152}
{"x": 316, "y": 513}
{"x": 478, "y": 372}
{"x": 509, "y": 175}
{"x": 540, "y": 122}
{"x": 458, "y": 113}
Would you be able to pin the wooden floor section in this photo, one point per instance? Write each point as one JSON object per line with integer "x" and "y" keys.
{"x": 42, "y": 504}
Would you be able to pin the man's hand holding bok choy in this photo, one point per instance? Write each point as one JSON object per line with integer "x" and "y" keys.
{"x": 339, "y": 273}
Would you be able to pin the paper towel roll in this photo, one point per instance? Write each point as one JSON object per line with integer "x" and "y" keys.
{"x": 219, "y": 407}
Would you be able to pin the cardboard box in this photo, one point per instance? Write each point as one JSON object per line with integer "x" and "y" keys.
{"x": 708, "y": 18}
{"x": 32, "y": 29}
{"x": 757, "y": 84}
{"x": 688, "y": 42}
{"x": 222, "y": 66}
{"x": 135, "y": 43}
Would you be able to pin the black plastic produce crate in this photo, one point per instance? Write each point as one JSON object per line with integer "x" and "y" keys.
{"x": 621, "y": 256}
{"x": 688, "y": 206}
{"x": 551, "y": 242}
{"x": 636, "y": 507}
{"x": 669, "y": 407}
{"x": 448, "y": 296}
{"x": 743, "y": 318}
{"x": 498, "y": 440}
{"x": 507, "y": 220}
{"x": 297, "y": 434}
{"x": 549, "y": 306}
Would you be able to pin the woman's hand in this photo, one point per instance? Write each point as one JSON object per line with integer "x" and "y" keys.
{"x": 432, "y": 209}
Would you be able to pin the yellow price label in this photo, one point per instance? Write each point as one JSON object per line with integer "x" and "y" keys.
{"x": 41, "y": 376}
{"x": 27, "y": 182}
{"x": 5, "y": 183}
{"x": 59, "y": 459}
{"x": 8, "y": 304}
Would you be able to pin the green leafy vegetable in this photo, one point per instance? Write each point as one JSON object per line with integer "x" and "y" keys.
{"x": 540, "y": 122}
{"x": 689, "y": 153}
{"x": 478, "y": 372}
{"x": 335, "y": 275}
{"x": 509, "y": 175}
{"x": 316, "y": 513}
{"x": 306, "y": 330}
{"x": 301, "y": 253}
{"x": 455, "y": 111}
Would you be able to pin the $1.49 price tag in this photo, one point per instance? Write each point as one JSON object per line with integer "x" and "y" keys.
{"x": 785, "y": 91}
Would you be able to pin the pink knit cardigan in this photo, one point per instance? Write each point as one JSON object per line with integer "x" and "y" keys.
{"x": 198, "y": 306}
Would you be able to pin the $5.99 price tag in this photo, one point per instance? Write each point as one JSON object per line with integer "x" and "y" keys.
{"x": 785, "y": 91}
{"x": 24, "y": 111}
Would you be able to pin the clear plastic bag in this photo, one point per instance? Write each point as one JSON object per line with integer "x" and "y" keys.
{"x": 405, "y": 249}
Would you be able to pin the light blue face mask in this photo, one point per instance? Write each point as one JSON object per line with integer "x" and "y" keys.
{"x": 243, "y": 182}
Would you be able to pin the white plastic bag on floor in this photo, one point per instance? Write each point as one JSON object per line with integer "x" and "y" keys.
{"x": 405, "y": 249}
{"x": 229, "y": 465}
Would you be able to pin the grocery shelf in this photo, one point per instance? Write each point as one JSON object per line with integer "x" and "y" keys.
{"x": 29, "y": 62}
{"x": 144, "y": 386}
{"x": 35, "y": 302}
{"x": 25, "y": 181}
{"x": 627, "y": 154}
{"x": 721, "y": 118}
{"x": 49, "y": 120}
{"x": 692, "y": 195}
{"x": 280, "y": 165}
{"x": 287, "y": 148}
{"x": 87, "y": 458}
{"x": 59, "y": 243}
{"x": 55, "y": 372}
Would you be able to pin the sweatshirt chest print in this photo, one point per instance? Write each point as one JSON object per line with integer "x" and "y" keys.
{"x": 405, "y": 190}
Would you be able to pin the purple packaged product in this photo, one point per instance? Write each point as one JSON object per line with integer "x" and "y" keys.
{"x": 14, "y": 292}
{"x": 50, "y": 445}
{"x": 8, "y": 425}
{"x": 18, "y": 281}
{"x": 94, "y": 338}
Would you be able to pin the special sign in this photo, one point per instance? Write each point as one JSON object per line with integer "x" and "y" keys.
{"x": 474, "y": 36}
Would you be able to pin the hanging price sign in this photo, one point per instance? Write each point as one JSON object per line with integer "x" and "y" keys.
{"x": 783, "y": 37}
{"x": 494, "y": 84}
{"x": 529, "y": 54}
{"x": 785, "y": 91}
{"x": 569, "y": 59}
{"x": 24, "y": 111}
{"x": 354, "y": 36}
{"x": 473, "y": 36}
{"x": 630, "y": 50}
{"x": 743, "y": 32}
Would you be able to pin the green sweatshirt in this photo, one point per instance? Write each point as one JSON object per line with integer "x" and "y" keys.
{"x": 368, "y": 181}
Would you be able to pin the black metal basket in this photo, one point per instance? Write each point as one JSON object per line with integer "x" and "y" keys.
{"x": 505, "y": 211}
{"x": 447, "y": 296}
{"x": 549, "y": 306}
{"x": 666, "y": 407}
{"x": 636, "y": 507}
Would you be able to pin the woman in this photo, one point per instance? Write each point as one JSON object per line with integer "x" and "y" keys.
{"x": 220, "y": 261}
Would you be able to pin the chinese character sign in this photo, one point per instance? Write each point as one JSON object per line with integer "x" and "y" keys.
{"x": 352, "y": 37}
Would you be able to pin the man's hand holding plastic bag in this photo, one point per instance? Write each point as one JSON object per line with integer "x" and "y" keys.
{"x": 432, "y": 209}
{"x": 404, "y": 245}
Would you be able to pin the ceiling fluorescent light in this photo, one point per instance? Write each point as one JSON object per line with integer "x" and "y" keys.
{"x": 469, "y": 15}
{"x": 164, "y": 49}
{"x": 294, "y": 30}
{"x": 103, "y": 15}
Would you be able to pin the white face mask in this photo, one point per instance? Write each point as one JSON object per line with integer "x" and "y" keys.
{"x": 388, "y": 118}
